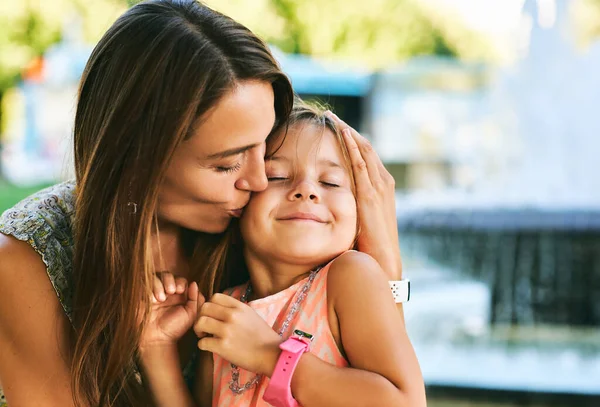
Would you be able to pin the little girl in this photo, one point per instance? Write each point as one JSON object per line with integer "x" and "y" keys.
{"x": 312, "y": 306}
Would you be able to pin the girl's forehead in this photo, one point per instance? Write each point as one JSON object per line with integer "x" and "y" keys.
{"x": 308, "y": 139}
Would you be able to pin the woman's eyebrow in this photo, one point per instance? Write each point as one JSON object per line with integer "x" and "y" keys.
{"x": 232, "y": 151}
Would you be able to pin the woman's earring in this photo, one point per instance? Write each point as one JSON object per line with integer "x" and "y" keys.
{"x": 132, "y": 208}
{"x": 131, "y": 205}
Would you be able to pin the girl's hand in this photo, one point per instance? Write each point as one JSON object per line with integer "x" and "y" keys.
{"x": 375, "y": 195}
{"x": 174, "y": 310}
{"x": 237, "y": 334}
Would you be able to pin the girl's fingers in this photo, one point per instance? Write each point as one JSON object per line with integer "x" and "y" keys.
{"x": 225, "y": 300}
{"x": 215, "y": 311}
{"x": 209, "y": 344}
{"x": 206, "y": 325}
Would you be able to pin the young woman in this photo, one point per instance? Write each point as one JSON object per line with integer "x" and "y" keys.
{"x": 174, "y": 109}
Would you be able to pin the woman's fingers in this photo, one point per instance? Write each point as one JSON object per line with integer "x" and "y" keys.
{"x": 362, "y": 155}
{"x": 165, "y": 284}
{"x": 181, "y": 285}
{"x": 158, "y": 290}
{"x": 168, "y": 281}
{"x": 375, "y": 196}
{"x": 359, "y": 166}
{"x": 195, "y": 300}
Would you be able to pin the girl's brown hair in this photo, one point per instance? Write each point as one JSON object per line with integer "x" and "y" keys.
{"x": 304, "y": 114}
{"x": 312, "y": 113}
{"x": 158, "y": 69}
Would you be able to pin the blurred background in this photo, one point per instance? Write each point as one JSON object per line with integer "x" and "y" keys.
{"x": 486, "y": 113}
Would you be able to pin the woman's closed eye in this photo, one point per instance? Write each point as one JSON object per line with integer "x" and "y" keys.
{"x": 277, "y": 178}
{"x": 229, "y": 169}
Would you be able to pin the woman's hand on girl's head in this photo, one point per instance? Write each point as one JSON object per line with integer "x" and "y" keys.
{"x": 375, "y": 196}
{"x": 175, "y": 305}
{"x": 234, "y": 331}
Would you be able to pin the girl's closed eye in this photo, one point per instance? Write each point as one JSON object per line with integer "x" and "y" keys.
{"x": 331, "y": 184}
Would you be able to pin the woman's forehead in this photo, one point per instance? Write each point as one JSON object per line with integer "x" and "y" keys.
{"x": 244, "y": 116}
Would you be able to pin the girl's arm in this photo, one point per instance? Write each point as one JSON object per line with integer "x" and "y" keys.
{"x": 385, "y": 370}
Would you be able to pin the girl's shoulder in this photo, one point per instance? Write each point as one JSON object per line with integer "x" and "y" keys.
{"x": 350, "y": 270}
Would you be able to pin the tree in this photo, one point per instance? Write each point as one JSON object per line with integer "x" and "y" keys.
{"x": 381, "y": 32}
{"x": 29, "y": 27}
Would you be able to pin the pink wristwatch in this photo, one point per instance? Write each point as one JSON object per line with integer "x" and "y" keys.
{"x": 279, "y": 391}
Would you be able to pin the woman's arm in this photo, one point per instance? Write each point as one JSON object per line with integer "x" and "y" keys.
{"x": 384, "y": 368}
{"x": 375, "y": 195}
{"x": 34, "y": 331}
{"x": 163, "y": 377}
{"x": 174, "y": 310}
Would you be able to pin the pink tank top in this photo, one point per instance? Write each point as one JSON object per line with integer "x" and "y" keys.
{"x": 312, "y": 317}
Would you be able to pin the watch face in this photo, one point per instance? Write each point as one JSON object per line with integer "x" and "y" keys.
{"x": 303, "y": 334}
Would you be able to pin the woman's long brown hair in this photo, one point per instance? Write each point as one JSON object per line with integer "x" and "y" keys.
{"x": 156, "y": 71}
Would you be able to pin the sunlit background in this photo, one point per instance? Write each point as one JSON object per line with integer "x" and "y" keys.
{"x": 487, "y": 113}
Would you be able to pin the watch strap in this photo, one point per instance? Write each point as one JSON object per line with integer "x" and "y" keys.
{"x": 400, "y": 290}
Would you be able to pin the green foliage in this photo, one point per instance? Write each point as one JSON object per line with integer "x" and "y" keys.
{"x": 585, "y": 17}
{"x": 10, "y": 194}
{"x": 379, "y": 32}
{"x": 29, "y": 27}
{"x": 376, "y": 32}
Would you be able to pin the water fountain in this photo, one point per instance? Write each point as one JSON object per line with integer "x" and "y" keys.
{"x": 532, "y": 232}
{"x": 521, "y": 251}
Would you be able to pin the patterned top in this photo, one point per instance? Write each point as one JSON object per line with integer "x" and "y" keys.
{"x": 44, "y": 221}
{"x": 312, "y": 317}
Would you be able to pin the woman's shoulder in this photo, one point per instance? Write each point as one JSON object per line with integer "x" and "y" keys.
{"x": 33, "y": 328}
{"x": 39, "y": 229}
{"x": 53, "y": 206}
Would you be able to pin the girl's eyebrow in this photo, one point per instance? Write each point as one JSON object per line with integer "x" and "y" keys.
{"x": 323, "y": 162}
{"x": 330, "y": 163}
{"x": 277, "y": 158}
